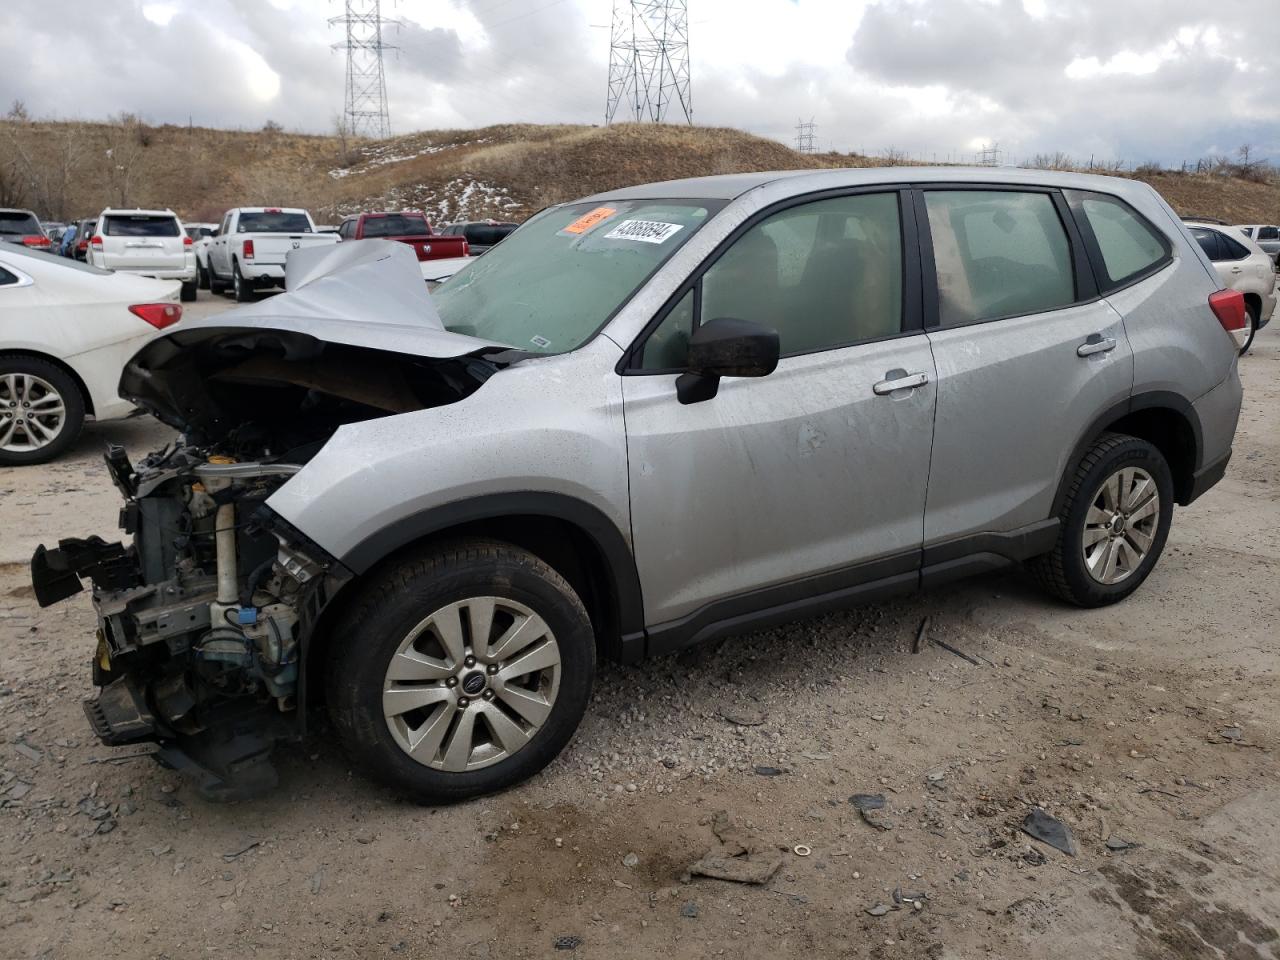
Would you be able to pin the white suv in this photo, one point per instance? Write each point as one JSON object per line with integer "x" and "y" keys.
{"x": 1243, "y": 266}
{"x": 150, "y": 243}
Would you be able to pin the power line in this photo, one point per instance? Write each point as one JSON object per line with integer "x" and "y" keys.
{"x": 365, "y": 107}
{"x": 649, "y": 60}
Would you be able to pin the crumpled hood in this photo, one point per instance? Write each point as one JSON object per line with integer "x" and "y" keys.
{"x": 357, "y": 300}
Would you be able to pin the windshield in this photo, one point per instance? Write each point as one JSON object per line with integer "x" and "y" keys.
{"x": 396, "y": 225}
{"x": 18, "y": 223}
{"x": 140, "y": 225}
{"x": 274, "y": 221}
{"x": 553, "y": 283}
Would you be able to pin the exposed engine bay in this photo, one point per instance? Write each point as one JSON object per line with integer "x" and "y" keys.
{"x": 205, "y": 616}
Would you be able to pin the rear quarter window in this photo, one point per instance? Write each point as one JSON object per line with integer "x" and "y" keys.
{"x": 1128, "y": 246}
{"x": 140, "y": 225}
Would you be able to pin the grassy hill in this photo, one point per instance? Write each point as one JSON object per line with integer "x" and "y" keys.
{"x": 75, "y": 169}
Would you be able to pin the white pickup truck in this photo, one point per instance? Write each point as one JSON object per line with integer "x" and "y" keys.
{"x": 250, "y": 246}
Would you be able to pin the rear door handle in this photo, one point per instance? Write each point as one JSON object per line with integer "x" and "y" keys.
{"x": 899, "y": 380}
{"x": 1096, "y": 344}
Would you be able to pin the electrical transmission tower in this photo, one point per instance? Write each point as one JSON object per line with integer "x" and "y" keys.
{"x": 805, "y": 136}
{"x": 989, "y": 155}
{"x": 649, "y": 60}
{"x": 366, "y": 103}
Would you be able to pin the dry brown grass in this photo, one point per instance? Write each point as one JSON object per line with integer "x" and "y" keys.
{"x": 508, "y": 170}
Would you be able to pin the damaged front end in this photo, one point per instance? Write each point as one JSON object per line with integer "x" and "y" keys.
{"x": 206, "y": 615}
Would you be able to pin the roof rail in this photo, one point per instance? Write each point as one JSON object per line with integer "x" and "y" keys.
{"x": 1222, "y": 223}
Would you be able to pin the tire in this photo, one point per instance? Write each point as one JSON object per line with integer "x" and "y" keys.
{"x": 202, "y": 277}
{"x": 406, "y": 600}
{"x": 1253, "y": 328}
{"x": 240, "y": 288}
{"x": 188, "y": 293}
{"x": 216, "y": 283}
{"x": 37, "y": 382}
{"x": 1065, "y": 571}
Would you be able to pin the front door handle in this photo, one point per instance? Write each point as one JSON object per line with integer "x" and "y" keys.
{"x": 1096, "y": 344}
{"x": 899, "y": 380}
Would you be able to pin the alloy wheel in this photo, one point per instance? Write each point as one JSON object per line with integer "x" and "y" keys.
{"x": 471, "y": 684}
{"x": 1120, "y": 526}
{"x": 32, "y": 412}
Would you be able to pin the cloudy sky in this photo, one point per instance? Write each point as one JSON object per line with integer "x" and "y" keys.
{"x": 1136, "y": 80}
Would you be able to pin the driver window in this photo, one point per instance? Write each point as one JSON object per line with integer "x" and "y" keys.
{"x": 824, "y": 274}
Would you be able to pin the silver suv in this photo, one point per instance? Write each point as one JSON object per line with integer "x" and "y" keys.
{"x": 647, "y": 418}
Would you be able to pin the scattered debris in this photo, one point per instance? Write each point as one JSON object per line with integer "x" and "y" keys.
{"x": 1116, "y": 844}
{"x": 879, "y": 910}
{"x": 1234, "y": 734}
{"x": 769, "y": 771}
{"x": 869, "y": 806}
{"x": 689, "y": 910}
{"x": 28, "y": 751}
{"x": 570, "y": 942}
{"x": 920, "y": 635}
{"x": 234, "y": 854}
{"x": 802, "y": 850}
{"x": 1040, "y": 826}
{"x": 631, "y": 861}
{"x": 743, "y": 717}
{"x": 957, "y": 651}
{"x": 737, "y": 857}
{"x": 316, "y": 881}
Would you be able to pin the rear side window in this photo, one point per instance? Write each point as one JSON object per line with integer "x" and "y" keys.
{"x": 1268, "y": 233}
{"x": 998, "y": 253}
{"x": 273, "y": 222}
{"x": 397, "y": 225}
{"x": 1128, "y": 244}
{"x": 140, "y": 225}
{"x": 17, "y": 223}
{"x": 7, "y": 278}
{"x": 1232, "y": 249}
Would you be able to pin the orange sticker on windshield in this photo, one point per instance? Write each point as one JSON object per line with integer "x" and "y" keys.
{"x": 589, "y": 220}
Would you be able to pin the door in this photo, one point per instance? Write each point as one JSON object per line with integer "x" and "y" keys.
{"x": 1027, "y": 356}
{"x": 219, "y": 261}
{"x": 819, "y": 468}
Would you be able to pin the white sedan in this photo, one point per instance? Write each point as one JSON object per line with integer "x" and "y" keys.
{"x": 66, "y": 331}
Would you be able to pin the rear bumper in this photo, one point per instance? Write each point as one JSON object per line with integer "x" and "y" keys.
{"x": 186, "y": 274}
{"x": 261, "y": 271}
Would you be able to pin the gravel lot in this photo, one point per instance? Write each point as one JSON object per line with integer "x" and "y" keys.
{"x": 1151, "y": 723}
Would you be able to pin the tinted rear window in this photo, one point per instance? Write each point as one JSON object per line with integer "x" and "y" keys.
{"x": 267, "y": 222}
{"x": 1268, "y": 233}
{"x": 1208, "y": 240}
{"x": 140, "y": 225}
{"x": 396, "y": 225}
{"x": 487, "y": 234}
{"x": 1232, "y": 249}
{"x": 196, "y": 233}
{"x": 19, "y": 223}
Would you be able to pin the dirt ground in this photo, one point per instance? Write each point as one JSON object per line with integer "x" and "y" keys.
{"x": 1152, "y": 723}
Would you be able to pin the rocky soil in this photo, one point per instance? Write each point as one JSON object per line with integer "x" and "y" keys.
{"x": 1149, "y": 730}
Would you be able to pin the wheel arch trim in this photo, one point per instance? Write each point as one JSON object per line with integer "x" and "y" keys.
{"x": 621, "y": 571}
{"x": 1150, "y": 400}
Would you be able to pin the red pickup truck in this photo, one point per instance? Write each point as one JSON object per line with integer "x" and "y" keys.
{"x": 406, "y": 227}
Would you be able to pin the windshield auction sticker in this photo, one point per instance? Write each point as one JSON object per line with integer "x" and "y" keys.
{"x": 646, "y": 231}
{"x": 589, "y": 220}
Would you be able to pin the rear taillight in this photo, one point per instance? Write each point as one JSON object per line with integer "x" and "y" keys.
{"x": 159, "y": 315}
{"x": 248, "y": 250}
{"x": 466, "y": 249}
{"x": 1228, "y": 307}
{"x": 35, "y": 240}
{"x": 82, "y": 245}
{"x": 186, "y": 241}
{"x": 96, "y": 241}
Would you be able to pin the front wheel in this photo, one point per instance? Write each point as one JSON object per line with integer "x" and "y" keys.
{"x": 202, "y": 277}
{"x": 463, "y": 670}
{"x": 41, "y": 410}
{"x": 1114, "y": 523}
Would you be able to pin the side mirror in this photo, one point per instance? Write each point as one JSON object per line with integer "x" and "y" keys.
{"x": 726, "y": 347}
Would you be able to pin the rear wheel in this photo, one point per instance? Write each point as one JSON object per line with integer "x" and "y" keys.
{"x": 463, "y": 670}
{"x": 188, "y": 291}
{"x": 202, "y": 277}
{"x": 1114, "y": 523}
{"x": 239, "y": 286}
{"x": 41, "y": 410}
{"x": 1252, "y": 311}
